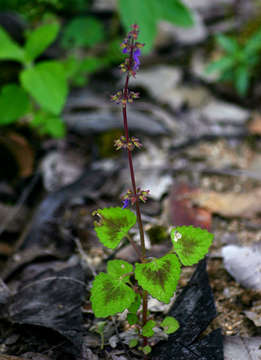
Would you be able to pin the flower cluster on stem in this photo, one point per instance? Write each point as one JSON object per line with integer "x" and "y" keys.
{"x": 132, "y": 48}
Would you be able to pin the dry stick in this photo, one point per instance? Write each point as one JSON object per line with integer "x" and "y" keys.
{"x": 143, "y": 249}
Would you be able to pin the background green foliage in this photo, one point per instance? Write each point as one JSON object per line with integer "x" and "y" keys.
{"x": 147, "y": 13}
{"x": 84, "y": 44}
{"x": 238, "y": 62}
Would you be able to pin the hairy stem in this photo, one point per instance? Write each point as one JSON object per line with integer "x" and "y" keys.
{"x": 138, "y": 213}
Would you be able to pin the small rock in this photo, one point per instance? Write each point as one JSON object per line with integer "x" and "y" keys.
{"x": 219, "y": 111}
{"x": 199, "y": 65}
{"x": 60, "y": 169}
{"x": 255, "y": 313}
{"x": 236, "y": 347}
{"x": 85, "y": 123}
{"x": 244, "y": 265}
{"x": 158, "y": 80}
{"x": 186, "y": 36}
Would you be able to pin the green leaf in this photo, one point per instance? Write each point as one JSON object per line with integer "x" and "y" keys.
{"x": 135, "y": 305}
{"x": 242, "y": 80}
{"x": 175, "y": 12}
{"x": 83, "y": 31}
{"x": 40, "y": 39}
{"x": 46, "y": 83}
{"x": 132, "y": 318}
{"x": 146, "y": 349}
{"x": 159, "y": 277}
{"x": 228, "y": 43}
{"x": 14, "y": 103}
{"x": 170, "y": 325}
{"x": 143, "y": 13}
{"x": 110, "y": 295}
{"x": 49, "y": 124}
{"x": 9, "y": 50}
{"x": 191, "y": 243}
{"x": 147, "y": 14}
{"x": 77, "y": 70}
{"x": 133, "y": 343}
{"x": 117, "y": 268}
{"x": 114, "y": 224}
{"x": 147, "y": 329}
{"x": 222, "y": 64}
{"x": 253, "y": 45}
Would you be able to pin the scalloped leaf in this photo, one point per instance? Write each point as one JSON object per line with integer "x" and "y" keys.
{"x": 146, "y": 349}
{"x": 190, "y": 243}
{"x": 133, "y": 343}
{"x": 135, "y": 305}
{"x": 147, "y": 329}
{"x": 110, "y": 295}
{"x": 132, "y": 319}
{"x": 113, "y": 225}
{"x": 170, "y": 325}
{"x": 159, "y": 277}
{"x": 117, "y": 268}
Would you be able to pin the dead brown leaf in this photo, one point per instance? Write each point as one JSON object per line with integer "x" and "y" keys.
{"x": 229, "y": 204}
{"x": 21, "y": 151}
{"x": 254, "y": 126}
{"x": 182, "y": 211}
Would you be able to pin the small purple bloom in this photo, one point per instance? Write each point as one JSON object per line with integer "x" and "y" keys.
{"x": 126, "y": 203}
{"x": 125, "y": 50}
{"x": 136, "y": 55}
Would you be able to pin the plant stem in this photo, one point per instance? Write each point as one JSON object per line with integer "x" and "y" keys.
{"x": 138, "y": 213}
{"x": 134, "y": 189}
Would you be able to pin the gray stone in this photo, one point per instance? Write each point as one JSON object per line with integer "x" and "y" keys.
{"x": 186, "y": 36}
{"x": 103, "y": 120}
{"x": 242, "y": 348}
{"x": 158, "y": 80}
{"x": 244, "y": 265}
{"x": 219, "y": 112}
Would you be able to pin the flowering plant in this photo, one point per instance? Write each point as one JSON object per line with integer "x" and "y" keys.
{"x": 126, "y": 286}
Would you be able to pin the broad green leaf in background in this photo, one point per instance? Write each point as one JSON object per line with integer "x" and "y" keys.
{"x": 49, "y": 124}
{"x": 110, "y": 295}
{"x": 46, "y": 83}
{"x": 170, "y": 325}
{"x": 39, "y": 40}
{"x": 9, "y": 50}
{"x": 147, "y": 14}
{"x": 159, "y": 277}
{"x": 114, "y": 224}
{"x": 147, "y": 329}
{"x": 175, "y": 12}
{"x": 83, "y": 31}
{"x": 143, "y": 13}
{"x": 77, "y": 70}
{"x": 191, "y": 243}
{"x": 242, "y": 80}
{"x": 14, "y": 103}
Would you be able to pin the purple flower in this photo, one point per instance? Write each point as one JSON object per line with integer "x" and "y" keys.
{"x": 125, "y": 50}
{"x": 136, "y": 59}
{"x": 126, "y": 203}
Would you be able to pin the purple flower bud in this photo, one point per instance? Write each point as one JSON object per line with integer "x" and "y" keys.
{"x": 126, "y": 203}
{"x": 136, "y": 55}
